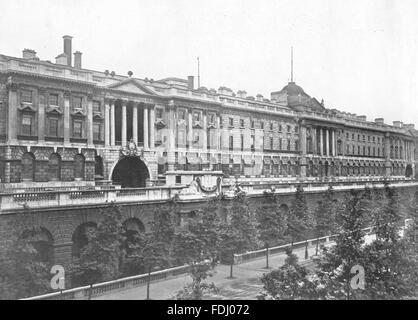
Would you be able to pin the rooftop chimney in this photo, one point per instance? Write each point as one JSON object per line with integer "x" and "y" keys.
{"x": 67, "y": 49}
{"x": 62, "y": 59}
{"x": 77, "y": 59}
{"x": 362, "y": 118}
{"x": 379, "y": 120}
{"x": 29, "y": 54}
{"x": 190, "y": 82}
{"x": 242, "y": 94}
{"x": 409, "y": 126}
{"x": 397, "y": 124}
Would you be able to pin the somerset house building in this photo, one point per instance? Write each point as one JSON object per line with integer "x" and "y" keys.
{"x": 64, "y": 125}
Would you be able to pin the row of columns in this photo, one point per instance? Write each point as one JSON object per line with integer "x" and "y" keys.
{"x": 327, "y": 145}
{"x": 148, "y": 124}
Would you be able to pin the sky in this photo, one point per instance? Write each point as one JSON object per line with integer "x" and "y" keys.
{"x": 360, "y": 56}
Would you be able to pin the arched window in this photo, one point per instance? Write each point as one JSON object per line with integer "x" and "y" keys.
{"x": 28, "y": 167}
{"x": 54, "y": 167}
{"x": 79, "y": 167}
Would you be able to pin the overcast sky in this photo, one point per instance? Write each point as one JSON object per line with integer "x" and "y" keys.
{"x": 359, "y": 56}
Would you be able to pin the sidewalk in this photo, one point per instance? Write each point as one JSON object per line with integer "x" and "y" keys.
{"x": 245, "y": 285}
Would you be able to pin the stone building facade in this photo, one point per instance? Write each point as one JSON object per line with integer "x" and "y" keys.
{"x": 63, "y": 125}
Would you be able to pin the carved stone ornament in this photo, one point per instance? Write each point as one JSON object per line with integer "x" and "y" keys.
{"x": 131, "y": 150}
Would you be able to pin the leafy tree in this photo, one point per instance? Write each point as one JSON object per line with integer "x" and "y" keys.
{"x": 299, "y": 220}
{"x": 271, "y": 224}
{"x": 324, "y": 217}
{"x": 289, "y": 282}
{"x": 101, "y": 259}
{"x": 385, "y": 259}
{"x": 23, "y": 274}
{"x": 334, "y": 269}
{"x": 198, "y": 288}
{"x": 238, "y": 234}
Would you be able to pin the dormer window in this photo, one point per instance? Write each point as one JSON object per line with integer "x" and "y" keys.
{"x": 53, "y": 100}
{"x": 26, "y": 96}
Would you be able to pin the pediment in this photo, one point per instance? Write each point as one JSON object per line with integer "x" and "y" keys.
{"x": 131, "y": 86}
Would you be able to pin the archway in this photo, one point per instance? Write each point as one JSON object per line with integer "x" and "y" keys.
{"x": 98, "y": 167}
{"x": 80, "y": 238}
{"x": 130, "y": 172}
{"x": 28, "y": 167}
{"x": 408, "y": 171}
{"x": 42, "y": 241}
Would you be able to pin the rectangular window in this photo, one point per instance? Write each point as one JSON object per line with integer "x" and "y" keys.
{"x": 96, "y": 106}
{"x": 231, "y": 122}
{"x": 288, "y": 128}
{"x": 242, "y": 123}
{"x": 347, "y": 135}
{"x": 97, "y": 131}
{"x": 212, "y": 118}
{"x": 280, "y": 144}
{"x": 26, "y": 125}
{"x": 252, "y": 143}
{"x": 242, "y": 142}
{"x": 271, "y": 143}
{"x": 53, "y": 127}
{"x": 231, "y": 143}
{"x": 271, "y": 126}
{"x": 182, "y": 114}
{"x": 252, "y": 124}
{"x": 262, "y": 125}
{"x": 280, "y": 128}
{"x": 196, "y": 116}
{"x": 26, "y": 96}
{"x": 296, "y": 129}
{"x": 352, "y": 136}
{"x": 53, "y": 99}
{"x": 77, "y": 103}
{"x": 77, "y": 129}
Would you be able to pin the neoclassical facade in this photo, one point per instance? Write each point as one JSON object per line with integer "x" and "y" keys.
{"x": 62, "y": 125}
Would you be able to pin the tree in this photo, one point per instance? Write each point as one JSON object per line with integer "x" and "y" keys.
{"x": 289, "y": 282}
{"x": 324, "y": 218}
{"x": 101, "y": 259}
{"x": 22, "y": 273}
{"x": 270, "y": 225}
{"x": 384, "y": 259}
{"x": 238, "y": 234}
{"x": 299, "y": 220}
{"x": 334, "y": 269}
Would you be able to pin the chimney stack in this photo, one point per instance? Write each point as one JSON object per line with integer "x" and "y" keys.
{"x": 68, "y": 49}
{"x": 29, "y": 54}
{"x": 379, "y": 120}
{"x": 190, "y": 82}
{"x": 397, "y": 124}
{"x": 77, "y": 59}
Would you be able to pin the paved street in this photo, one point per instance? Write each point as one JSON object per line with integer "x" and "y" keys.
{"x": 245, "y": 285}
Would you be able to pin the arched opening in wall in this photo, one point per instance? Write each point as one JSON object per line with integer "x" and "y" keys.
{"x": 79, "y": 163}
{"x": 408, "y": 171}
{"x": 130, "y": 172}
{"x": 28, "y": 167}
{"x": 42, "y": 241}
{"x": 133, "y": 227}
{"x": 80, "y": 237}
{"x": 98, "y": 168}
{"x": 54, "y": 167}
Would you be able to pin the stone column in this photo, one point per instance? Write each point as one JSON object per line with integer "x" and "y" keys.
{"x": 135, "y": 123}
{"x": 66, "y": 118}
{"x": 152, "y": 128}
{"x": 112, "y": 123}
{"x": 41, "y": 115}
{"x": 146, "y": 146}
{"x": 12, "y": 115}
{"x": 388, "y": 164}
{"x": 171, "y": 136}
{"x": 333, "y": 143}
{"x": 90, "y": 121}
{"x": 327, "y": 151}
{"x": 314, "y": 142}
{"x": 190, "y": 132}
{"x": 205, "y": 132}
{"x": 321, "y": 142}
{"x": 107, "y": 123}
{"x": 302, "y": 138}
{"x": 218, "y": 133}
{"x": 124, "y": 127}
